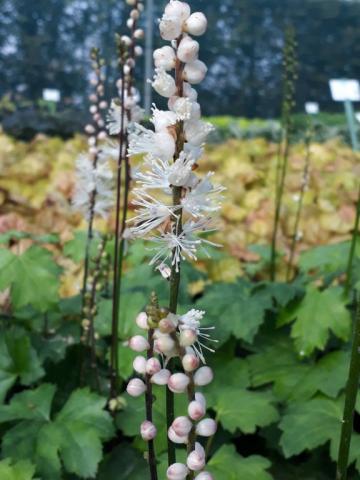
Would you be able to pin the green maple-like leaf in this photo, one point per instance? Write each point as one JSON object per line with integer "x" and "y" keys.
{"x": 318, "y": 314}
{"x": 293, "y": 377}
{"x": 327, "y": 258}
{"x": 32, "y": 278}
{"x": 226, "y": 464}
{"x": 72, "y": 438}
{"x": 238, "y": 408}
{"x": 76, "y": 247}
{"x": 232, "y": 309}
{"x": 124, "y": 463}
{"x": 18, "y": 360}
{"x": 22, "y": 470}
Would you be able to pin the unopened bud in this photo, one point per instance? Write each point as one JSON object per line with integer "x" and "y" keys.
{"x": 138, "y": 343}
{"x": 165, "y": 344}
{"x": 161, "y": 377}
{"x": 148, "y": 431}
{"x": 190, "y": 362}
{"x": 165, "y": 58}
{"x": 182, "y": 426}
{"x": 196, "y": 459}
{"x": 177, "y": 471}
{"x": 175, "y": 438}
{"x": 141, "y": 321}
{"x": 178, "y": 382}
{"x": 136, "y": 387}
{"x": 203, "y": 376}
{"x": 196, "y": 24}
{"x": 187, "y": 337}
{"x": 188, "y": 50}
{"x": 196, "y": 410}
{"x": 153, "y": 366}
{"x": 195, "y": 72}
{"x": 139, "y": 365}
{"x": 206, "y": 428}
{"x": 204, "y": 476}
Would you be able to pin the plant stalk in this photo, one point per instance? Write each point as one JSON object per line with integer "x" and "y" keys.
{"x": 149, "y": 413}
{"x": 350, "y": 399}
{"x": 353, "y": 247}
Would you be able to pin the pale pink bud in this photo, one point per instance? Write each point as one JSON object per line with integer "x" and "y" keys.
{"x": 182, "y": 426}
{"x": 195, "y": 72}
{"x": 190, "y": 92}
{"x": 196, "y": 410}
{"x": 164, "y": 84}
{"x": 136, "y": 387}
{"x": 161, "y": 377}
{"x": 203, "y": 376}
{"x": 166, "y": 326}
{"x": 93, "y": 98}
{"x": 139, "y": 364}
{"x": 196, "y": 24}
{"x": 139, "y": 33}
{"x": 190, "y": 362}
{"x": 175, "y": 438}
{"x": 177, "y": 471}
{"x": 178, "y": 9}
{"x": 199, "y": 397}
{"x": 127, "y": 69}
{"x": 165, "y": 344}
{"x": 165, "y": 58}
{"x": 206, "y": 428}
{"x": 126, "y": 40}
{"x": 188, "y": 50}
{"x": 103, "y": 104}
{"x": 93, "y": 109}
{"x": 196, "y": 459}
{"x": 178, "y": 382}
{"x": 148, "y": 431}
{"x": 100, "y": 122}
{"x": 204, "y": 476}
{"x": 92, "y": 141}
{"x": 138, "y": 343}
{"x": 141, "y": 321}
{"x": 93, "y": 151}
{"x": 135, "y": 14}
{"x": 102, "y": 135}
{"x": 140, "y": 7}
{"x": 138, "y": 51}
{"x": 170, "y": 27}
{"x": 187, "y": 337}
{"x": 153, "y": 366}
{"x": 89, "y": 129}
{"x": 130, "y": 23}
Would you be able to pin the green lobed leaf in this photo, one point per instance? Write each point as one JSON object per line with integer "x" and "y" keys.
{"x": 76, "y": 248}
{"x": 226, "y": 464}
{"x": 32, "y": 278}
{"x": 73, "y": 438}
{"x": 22, "y": 470}
{"x": 123, "y": 463}
{"x": 327, "y": 258}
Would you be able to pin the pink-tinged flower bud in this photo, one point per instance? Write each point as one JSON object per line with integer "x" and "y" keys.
{"x": 126, "y": 40}
{"x": 206, "y": 428}
{"x": 138, "y": 343}
{"x": 148, "y": 431}
{"x": 93, "y": 98}
{"x": 139, "y": 33}
{"x": 190, "y": 362}
{"x": 161, "y": 377}
{"x": 177, "y": 471}
{"x": 92, "y": 141}
{"x": 93, "y": 109}
{"x": 182, "y": 426}
{"x": 135, "y": 14}
{"x": 165, "y": 58}
{"x": 102, "y": 135}
{"x": 166, "y": 326}
{"x": 89, "y": 129}
{"x": 130, "y": 23}
{"x": 103, "y": 105}
{"x": 136, "y": 387}
{"x": 178, "y": 9}
{"x": 153, "y": 366}
{"x": 164, "y": 84}
{"x": 203, "y": 376}
{"x": 127, "y": 69}
{"x": 196, "y": 24}
{"x": 187, "y": 337}
{"x": 100, "y": 123}
{"x": 204, "y": 476}
{"x": 175, "y": 438}
{"x": 188, "y": 50}
{"x": 199, "y": 397}
{"x": 178, "y": 382}
{"x": 170, "y": 27}
{"x": 196, "y": 410}
{"x": 195, "y": 72}
{"x": 196, "y": 459}
{"x": 139, "y": 365}
{"x": 165, "y": 344}
{"x": 141, "y": 321}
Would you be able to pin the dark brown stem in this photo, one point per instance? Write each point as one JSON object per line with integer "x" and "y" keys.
{"x": 149, "y": 414}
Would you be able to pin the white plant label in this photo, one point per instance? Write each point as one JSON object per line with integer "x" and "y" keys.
{"x": 343, "y": 90}
{"x": 51, "y": 95}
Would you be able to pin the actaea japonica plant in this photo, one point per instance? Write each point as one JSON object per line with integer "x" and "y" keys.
{"x": 174, "y": 209}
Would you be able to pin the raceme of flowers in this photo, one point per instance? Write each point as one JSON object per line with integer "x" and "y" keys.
{"x": 174, "y": 229}
{"x": 176, "y": 336}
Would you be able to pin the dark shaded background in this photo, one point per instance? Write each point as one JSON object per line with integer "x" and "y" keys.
{"x": 45, "y": 43}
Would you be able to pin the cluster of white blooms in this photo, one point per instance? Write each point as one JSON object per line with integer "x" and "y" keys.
{"x": 173, "y": 148}
{"x": 128, "y": 45}
{"x": 176, "y": 336}
{"x": 94, "y": 176}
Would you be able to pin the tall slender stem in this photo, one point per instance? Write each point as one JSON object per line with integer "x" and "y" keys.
{"x": 148, "y": 405}
{"x": 350, "y": 399}
{"x": 355, "y": 236}
{"x": 303, "y": 188}
{"x": 114, "y": 355}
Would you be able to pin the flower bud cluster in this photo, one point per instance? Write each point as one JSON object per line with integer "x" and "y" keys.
{"x": 173, "y": 148}
{"x": 176, "y": 336}
{"x": 94, "y": 177}
{"x": 129, "y": 51}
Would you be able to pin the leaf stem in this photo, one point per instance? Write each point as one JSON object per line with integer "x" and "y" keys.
{"x": 350, "y": 399}
{"x": 148, "y": 404}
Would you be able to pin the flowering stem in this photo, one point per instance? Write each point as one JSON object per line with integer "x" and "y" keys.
{"x": 114, "y": 356}
{"x": 304, "y": 185}
{"x": 353, "y": 246}
{"x": 350, "y": 399}
{"x": 148, "y": 405}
